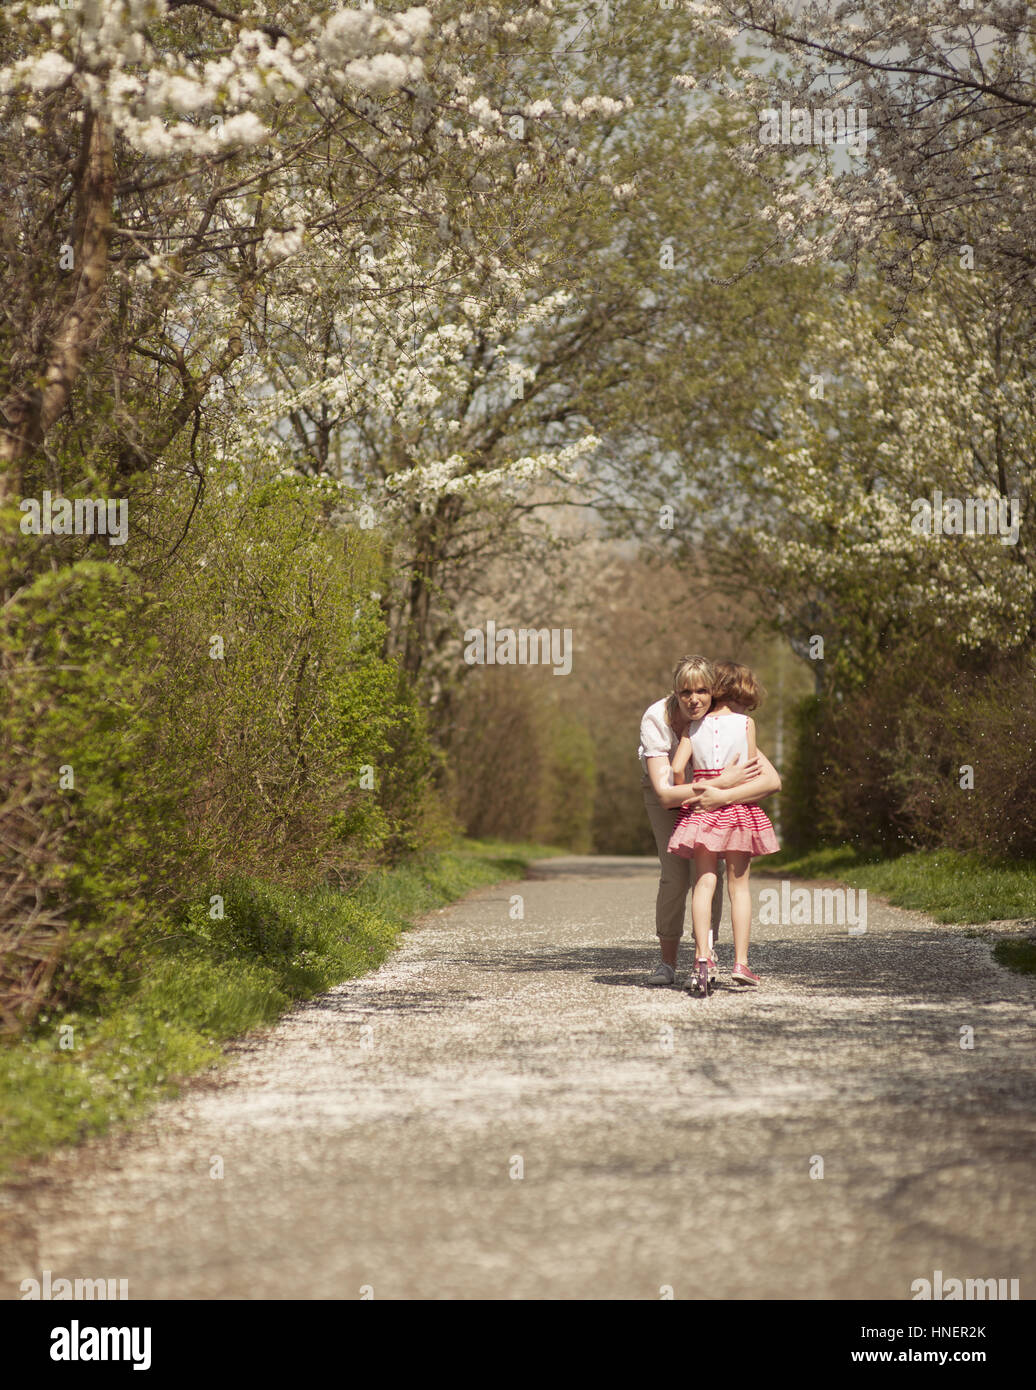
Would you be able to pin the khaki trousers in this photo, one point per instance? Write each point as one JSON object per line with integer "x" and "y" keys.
{"x": 677, "y": 873}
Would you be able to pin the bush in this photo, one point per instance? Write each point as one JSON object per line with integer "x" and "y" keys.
{"x": 88, "y": 815}
{"x": 208, "y": 702}
{"x": 882, "y": 768}
{"x": 980, "y": 730}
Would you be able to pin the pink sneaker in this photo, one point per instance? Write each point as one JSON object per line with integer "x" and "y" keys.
{"x": 700, "y": 983}
{"x": 741, "y": 975}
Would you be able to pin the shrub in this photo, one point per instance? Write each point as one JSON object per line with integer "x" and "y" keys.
{"x": 217, "y": 694}
{"x": 882, "y": 768}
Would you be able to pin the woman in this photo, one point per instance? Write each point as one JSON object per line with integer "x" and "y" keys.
{"x": 660, "y": 730}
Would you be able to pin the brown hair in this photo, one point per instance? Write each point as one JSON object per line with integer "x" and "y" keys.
{"x": 736, "y": 685}
{"x": 686, "y": 667}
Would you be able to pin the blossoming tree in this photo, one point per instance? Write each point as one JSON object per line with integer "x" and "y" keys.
{"x": 947, "y": 93}
{"x": 161, "y": 160}
{"x": 898, "y": 498}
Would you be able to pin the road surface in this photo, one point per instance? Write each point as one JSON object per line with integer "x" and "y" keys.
{"x": 504, "y": 1111}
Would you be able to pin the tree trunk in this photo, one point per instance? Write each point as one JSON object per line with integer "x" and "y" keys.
{"x": 30, "y": 412}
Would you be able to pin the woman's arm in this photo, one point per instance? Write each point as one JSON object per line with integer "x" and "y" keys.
{"x": 659, "y": 772}
{"x": 660, "y": 775}
{"x": 736, "y": 775}
{"x": 711, "y": 795}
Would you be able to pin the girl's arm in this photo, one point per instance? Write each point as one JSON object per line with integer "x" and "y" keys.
{"x": 681, "y": 758}
{"x": 750, "y": 722}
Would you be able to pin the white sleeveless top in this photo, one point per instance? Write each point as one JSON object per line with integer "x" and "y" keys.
{"x": 716, "y": 739}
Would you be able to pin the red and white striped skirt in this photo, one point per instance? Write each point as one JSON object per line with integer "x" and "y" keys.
{"x": 746, "y": 828}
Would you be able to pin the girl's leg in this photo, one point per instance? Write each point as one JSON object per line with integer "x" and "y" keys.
{"x": 701, "y": 901}
{"x": 739, "y": 863}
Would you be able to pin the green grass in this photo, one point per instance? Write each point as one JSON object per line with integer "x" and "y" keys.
{"x": 202, "y": 982}
{"x": 1017, "y": 955}
{"x": 951, "y": 886}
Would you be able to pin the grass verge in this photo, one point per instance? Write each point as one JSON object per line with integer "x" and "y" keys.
{"x": 1017, "y": 955}
{"x": 950, "y": 885}
{"x": 203, "y": 981}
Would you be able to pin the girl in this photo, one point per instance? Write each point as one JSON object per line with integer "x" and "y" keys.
{"x": 737, "y": 832}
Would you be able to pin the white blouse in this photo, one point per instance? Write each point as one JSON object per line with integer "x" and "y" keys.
{"x": 657, "y": 739}
{"x": 716, "y": 738}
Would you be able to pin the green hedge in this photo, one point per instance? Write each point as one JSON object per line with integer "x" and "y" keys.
{"x": 209, "y": 701}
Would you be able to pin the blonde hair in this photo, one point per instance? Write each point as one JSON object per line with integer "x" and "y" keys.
{"x": 737, "y": 685}
{"x": 687, "y": 668}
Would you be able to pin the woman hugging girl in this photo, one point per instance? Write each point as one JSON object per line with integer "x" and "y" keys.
{"x": 737, "y": 832}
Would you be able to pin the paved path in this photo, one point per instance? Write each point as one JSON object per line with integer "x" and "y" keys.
{"x": 374, "y": 1137}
